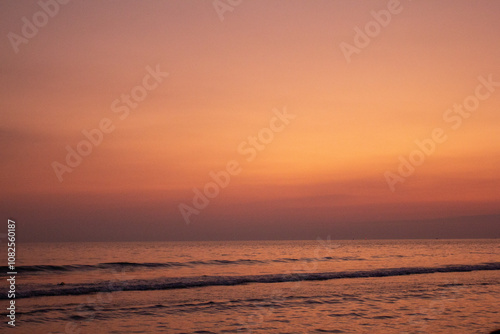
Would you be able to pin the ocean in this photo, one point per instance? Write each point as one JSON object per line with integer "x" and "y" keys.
{"x": 316, "y": 286}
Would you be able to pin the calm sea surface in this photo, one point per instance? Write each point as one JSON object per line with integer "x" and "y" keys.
{"x": 321, "y": 286}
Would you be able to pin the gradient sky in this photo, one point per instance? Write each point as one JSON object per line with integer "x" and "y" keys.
{"x": 322, "y": 175}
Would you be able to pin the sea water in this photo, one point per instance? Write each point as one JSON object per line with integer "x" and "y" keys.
{"x": 318, "y": 286}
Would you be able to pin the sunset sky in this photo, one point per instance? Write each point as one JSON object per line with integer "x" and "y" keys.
{"x": 324, "y": 173}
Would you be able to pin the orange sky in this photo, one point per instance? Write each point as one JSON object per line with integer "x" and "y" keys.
{"x": 324, "y": 170}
